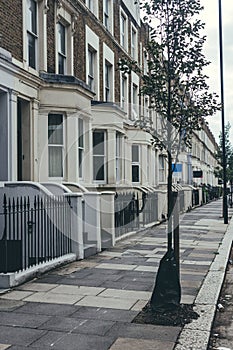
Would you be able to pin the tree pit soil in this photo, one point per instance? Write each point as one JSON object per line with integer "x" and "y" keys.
{"x": 179, "y": 316}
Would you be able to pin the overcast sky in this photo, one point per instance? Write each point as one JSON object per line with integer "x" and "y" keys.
{"x": 210, "y": 17}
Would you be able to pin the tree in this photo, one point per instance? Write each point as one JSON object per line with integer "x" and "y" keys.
{"x": 228, "y": 155}
{"x": 175, "y": 81}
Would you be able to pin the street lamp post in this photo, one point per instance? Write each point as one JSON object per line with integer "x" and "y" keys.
{"x": 225, "y": 209}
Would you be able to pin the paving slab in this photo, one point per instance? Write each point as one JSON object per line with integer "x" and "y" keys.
{"x": 107, "y": 302}
{"x": 46, "y": 309}
{"x": 16, "y": 295}
{"x": 22, "y": 320}
{"x": 10, "y": 305}
{"x": 140, "y": 344}
{"x": 71, "y": 341}
{"x": 37, "y": 287}
{"x": 125, "y": 294}
{"x": 76, "y": 290}
{"x": 53, "y": 298}
{"x": 144, "y": 331}
{"x": 116, "y": 266}
{"x": 19, "y": 335}
{"x": 103, "y": 313}
{"x": 77, "y": 325}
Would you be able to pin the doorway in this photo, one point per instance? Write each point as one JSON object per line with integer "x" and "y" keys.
{"x": 23, "y": 141}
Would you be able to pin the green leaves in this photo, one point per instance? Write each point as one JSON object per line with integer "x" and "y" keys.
{"x": 175, "y": 80}
{"x": 228, "y": 155}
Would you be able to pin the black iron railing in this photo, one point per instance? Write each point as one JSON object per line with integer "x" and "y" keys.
{"x": 150, "y": 209}
{"x": 34, "y": 231}
{"x": 132, "y": 211}
{"x": 126, "y": 213}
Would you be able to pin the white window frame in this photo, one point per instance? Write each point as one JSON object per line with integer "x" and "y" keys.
{"x": 146, "y": 107}
{"x": 108, "y": 15}
{"x": 124, "y": 92}
{"x": 161, "y": 168}
{"x": 66, "y": 19}
{"x": 108, "y": 70}
{"x": 135, "y": 101}
{"x": 148, "y": 163}
{"x": 108, "y": 58}
{"x": 58, "y": 145}
{"x": 62, "y": 54}
{"x": 90, "y": 5}
{"x": 91, "y": 68}
{"x": 145, "y": 62}
{"x": 81, "y": 149}
{"x": 92, "y": 44}
{"x": 93, "y": 6}
{"x": 136, "y": 163}
{"x": 134, "y": 96}
{"x": 119, "y": 157}
{"x": 123, "y": 30}
{"x": 134, "y": 40}
{"x": 104, "y": 156}
{"x": 32, "y": 33}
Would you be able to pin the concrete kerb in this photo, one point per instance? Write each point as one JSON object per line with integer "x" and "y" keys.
{"x": 195, "y": 335}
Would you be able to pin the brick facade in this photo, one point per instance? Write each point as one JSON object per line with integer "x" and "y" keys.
{"x": 51, "y": 36}
{"x": 12, "y": 36}
{"x": 11, "y": 27}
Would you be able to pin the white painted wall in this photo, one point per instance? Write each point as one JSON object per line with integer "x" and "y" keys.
{"x": 134, "y": 9}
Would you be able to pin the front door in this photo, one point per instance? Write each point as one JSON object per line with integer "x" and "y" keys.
{"x": 23, "y": 141}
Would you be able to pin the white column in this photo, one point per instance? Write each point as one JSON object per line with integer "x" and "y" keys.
{"x": 42, "y": 144}
{"x": 128, "y": 162}
{"x": 92, "y": 218}
{"x": 108, "y": 215}
{"x": 76, "y": 224}
{"x": 34, "y": 141}
{"x": 43, "y": 8}
{"x": 143, "y": 164}
{"x": 111, "y": 156}
{"x": 88, "y": 160}
{"x": 72, "y": 149}
{"x": 12, "y": 137}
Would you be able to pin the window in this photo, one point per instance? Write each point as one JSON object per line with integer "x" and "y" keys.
{"x": 135, "y": 163}
{"x": 93, "y": 6}
{"x": 92, "y": 61}
{"x": 106, "y": 14}
{"x": 91, "y": 68}
{"x": 61, "y": 48}
{"x": 161, "y": 169}
{"x": 134, "y": 101}
{"x": 108, "y": 80}
{"x": 99, "y": 155}
{"x": 118, "y": 157}
{"x": 123, "y": 27}
{"x": 55, "y": 145}
{"x": 32, "y": 32}
{"x": 133, "y": 43}
{"x": 146, "y": 107}
{"x": 108, "y": 74}
{"x": 123, "y": 92}
{"x": 90, "y": 5}
{"x": 80, "y": 147}
{"x": 145, "y": 62}
{"x": 148, "y": 164}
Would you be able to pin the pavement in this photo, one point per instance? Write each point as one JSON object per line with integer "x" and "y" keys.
{"x": 90, "y": 304}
